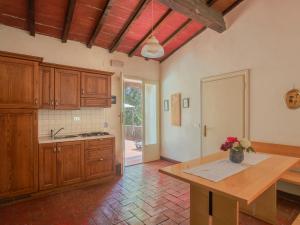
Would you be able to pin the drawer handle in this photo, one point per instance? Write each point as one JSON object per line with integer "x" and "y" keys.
{"x": 101, "y": 159}
{"x": 100, "y": 139}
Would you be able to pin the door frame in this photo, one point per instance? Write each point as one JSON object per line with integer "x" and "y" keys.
{"x": 144, "y": 81}
{"x": 246, "y": 75}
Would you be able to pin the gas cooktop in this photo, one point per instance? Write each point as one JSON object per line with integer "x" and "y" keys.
{"x": 92, "y": 134}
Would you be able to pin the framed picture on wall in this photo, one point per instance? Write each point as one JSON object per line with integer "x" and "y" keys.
{"x": 166, "y": 105}
{"x": 186, "y": 103}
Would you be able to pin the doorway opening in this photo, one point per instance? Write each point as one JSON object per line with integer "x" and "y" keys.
{"x": 133, "y": 121}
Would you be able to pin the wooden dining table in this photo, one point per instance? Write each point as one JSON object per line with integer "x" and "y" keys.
{"x": 252, "y": 191}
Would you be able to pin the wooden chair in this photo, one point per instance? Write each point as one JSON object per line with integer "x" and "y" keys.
{"x": 293, "y": 175}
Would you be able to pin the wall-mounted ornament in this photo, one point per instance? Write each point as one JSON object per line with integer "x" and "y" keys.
{"x": 186, "y": 103}
{"x": 166, "y": 105}
{"x": 176, "y": 109}
{"x": 292, "y": 99}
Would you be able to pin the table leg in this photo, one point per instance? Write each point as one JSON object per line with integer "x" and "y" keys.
{"x": 225, "y": 211}
{"x": 199, "y": 206}
{"x": 264, "y": 207}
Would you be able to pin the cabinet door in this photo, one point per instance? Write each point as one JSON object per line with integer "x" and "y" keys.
{"x": 46, "y": 87}
{"x": 47, "y": 166}
{"x": 70, "y": 161}
{"x": 95, "y": 85}
{"x": 18, "y": 152}
{"x": 19, "y": 81}
{"x": 67, "y": 89}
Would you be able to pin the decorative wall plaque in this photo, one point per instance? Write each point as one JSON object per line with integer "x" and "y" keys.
{"x": 292, "y": 99}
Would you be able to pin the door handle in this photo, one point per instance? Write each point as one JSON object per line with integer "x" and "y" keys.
{"x": 205, "y": 131}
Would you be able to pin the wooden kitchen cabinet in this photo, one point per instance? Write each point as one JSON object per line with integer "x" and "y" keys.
{"x": 70, "y": 162}
{"x": 95, "y": 85}
{"x": 60, "y": 164}
{"x": 67, "y": 89}
{"x": 47, "y": 97}
{"x": 99, "y": 158}
{"x": 18, "y": 152}
{"x": 19, "y": 83}
{"x": 47, "y": 166}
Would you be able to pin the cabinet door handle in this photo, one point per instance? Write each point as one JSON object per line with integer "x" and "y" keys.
{"x": 56, "y": 102}
{"x": 54, "y": 149}
{"x": 52, "y": 102}
{"x": 101, "y": 159}
{"x": 82, "y": 91}
{"x": 35, "y": 101}
{"x": 59, "y": 149}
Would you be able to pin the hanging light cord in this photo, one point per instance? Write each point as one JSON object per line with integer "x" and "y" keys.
{"x": 152, "y": 19}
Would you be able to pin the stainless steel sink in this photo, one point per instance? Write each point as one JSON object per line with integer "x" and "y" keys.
{"x": 65, "y": 136}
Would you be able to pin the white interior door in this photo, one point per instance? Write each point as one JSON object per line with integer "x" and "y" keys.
{"x": 151, "y": 149}
{"x": 224, "y": 109}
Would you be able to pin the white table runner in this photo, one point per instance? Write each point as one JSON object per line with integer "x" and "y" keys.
{"x": 221, "y": 169}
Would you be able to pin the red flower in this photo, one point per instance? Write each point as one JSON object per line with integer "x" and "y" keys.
{"x": 232, "y": 139}
{"x": 226, "y": 146}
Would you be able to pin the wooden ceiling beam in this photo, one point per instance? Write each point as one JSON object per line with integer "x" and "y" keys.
{"x": 199, "y": 11}
{"x": 176, "y": 32}
{"x": 31, "y": 17}
{"x": 156, "y": 25}
{"x": 100, "y": 23}
{"x": 136, "y": 13}
{"x": 68, "y": 20}
{"x": 226, "y": 11}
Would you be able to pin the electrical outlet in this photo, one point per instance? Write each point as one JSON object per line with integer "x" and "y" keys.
{"x": 76, "y": 118}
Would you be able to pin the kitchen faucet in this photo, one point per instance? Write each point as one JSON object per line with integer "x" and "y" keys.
{"x": 53, "y": 134}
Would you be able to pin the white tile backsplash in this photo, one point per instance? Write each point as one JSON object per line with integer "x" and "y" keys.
{"x": 73, "y": 121}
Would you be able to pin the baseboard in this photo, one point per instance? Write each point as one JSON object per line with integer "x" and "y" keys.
{"x": 169, "y": 160}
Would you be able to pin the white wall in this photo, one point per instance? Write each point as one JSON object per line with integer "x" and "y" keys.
{"x": 262, "y": 36}
{"x": 76, "y": 54}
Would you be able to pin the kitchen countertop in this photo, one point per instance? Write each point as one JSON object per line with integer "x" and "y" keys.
{"x": 47, "y": 140}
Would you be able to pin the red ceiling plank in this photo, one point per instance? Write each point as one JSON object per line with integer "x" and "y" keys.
{"x": 155, "y": 26}
{"x": 31, "y": 17}
{"x": 176, "y": 32}
{"x": 119, "y": 14}
{"x": 68, "y": 20}
{"x": 225, "y": 11}
{"x": 100, "y": 22}
{"x": 142, "y": 25}
{"x": 142, "y": 4}
{"x": 50, "y": 17}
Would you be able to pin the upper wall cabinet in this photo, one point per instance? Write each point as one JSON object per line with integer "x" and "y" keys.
{"x": 67, "y": 89}
{"x": 47, "y": 87}
{"x": 95, "y": 90}
{"x": 19, "y": 83}
{"x": 95, "y": 85}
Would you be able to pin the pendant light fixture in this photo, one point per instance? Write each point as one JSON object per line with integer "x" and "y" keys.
{"x": 152, "y": 49}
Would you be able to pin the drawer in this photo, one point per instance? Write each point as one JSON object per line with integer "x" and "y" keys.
{"x": 99, "y": 143}
{"x": 98, "y": 155}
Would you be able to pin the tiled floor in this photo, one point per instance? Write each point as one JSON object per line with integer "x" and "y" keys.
{"x": 141, "y": 196}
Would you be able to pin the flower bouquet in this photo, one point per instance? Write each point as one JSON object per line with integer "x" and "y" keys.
{"x": 237, "y": 148}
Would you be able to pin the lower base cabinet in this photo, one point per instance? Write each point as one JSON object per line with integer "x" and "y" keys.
{"x": 61, "y": 164}
{"x": 67, "y": 163}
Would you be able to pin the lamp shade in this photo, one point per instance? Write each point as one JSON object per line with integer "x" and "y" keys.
{"x": 152, "y": 49}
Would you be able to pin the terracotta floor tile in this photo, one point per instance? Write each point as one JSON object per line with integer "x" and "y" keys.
{"x": 141, "y": 196}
